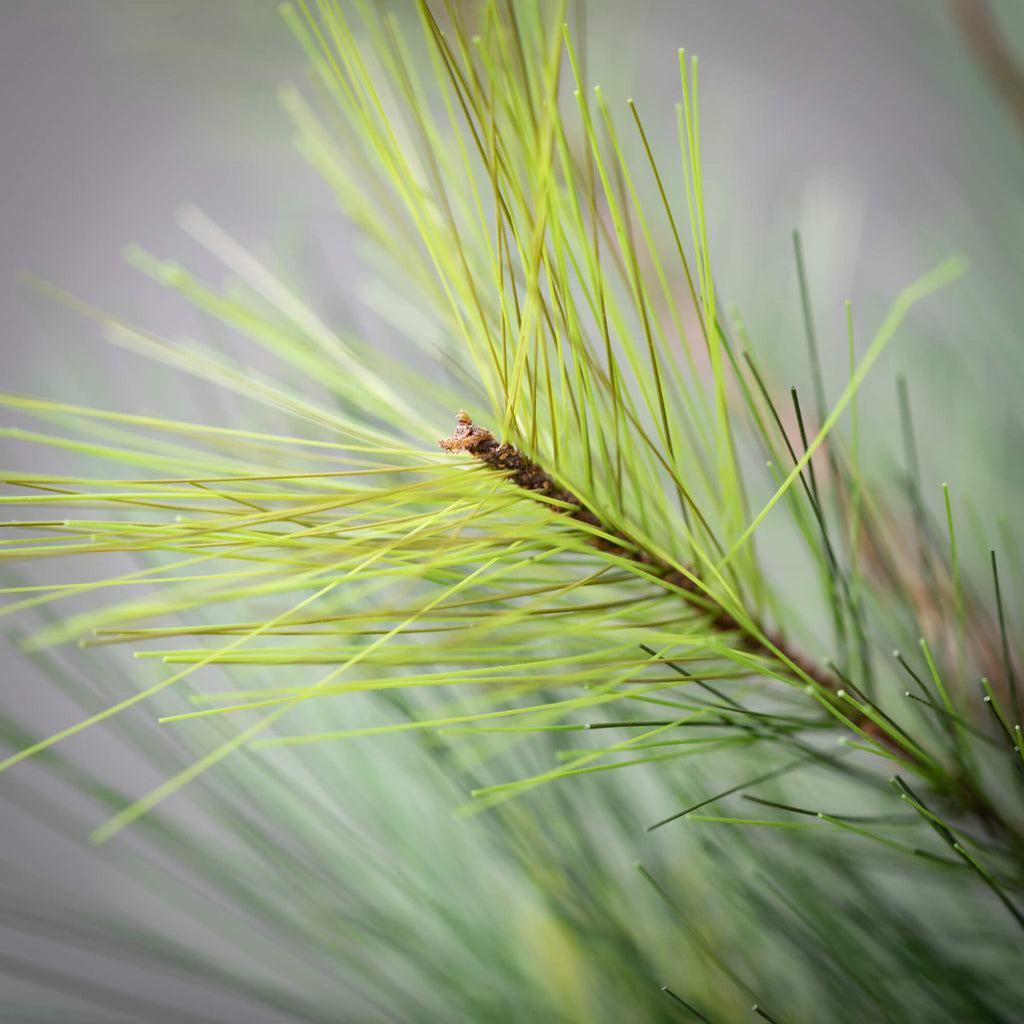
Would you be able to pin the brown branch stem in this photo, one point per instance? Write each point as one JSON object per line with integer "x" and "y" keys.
{"x": 524, "y": 473}
{"x": 994, "y": 56}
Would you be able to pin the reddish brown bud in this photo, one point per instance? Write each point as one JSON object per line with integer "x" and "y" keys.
{"x": 468, "y": 438}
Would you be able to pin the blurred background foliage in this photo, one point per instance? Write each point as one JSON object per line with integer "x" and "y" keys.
{"x": 872, "y": 128}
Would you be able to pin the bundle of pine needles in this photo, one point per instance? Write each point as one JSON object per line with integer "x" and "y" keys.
{"x": 348, "y": 633}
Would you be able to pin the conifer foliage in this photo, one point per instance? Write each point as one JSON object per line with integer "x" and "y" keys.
{"x": 521, "y": 725}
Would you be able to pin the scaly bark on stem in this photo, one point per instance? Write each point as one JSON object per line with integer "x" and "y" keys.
{"x": 528, "y": 475}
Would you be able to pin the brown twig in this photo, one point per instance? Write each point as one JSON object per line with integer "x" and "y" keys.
{"x": 524, "y": 473}
{"x": 980, "y": 29}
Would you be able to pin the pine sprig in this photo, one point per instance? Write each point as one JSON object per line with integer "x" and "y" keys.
{"x": 632, "y": 452}
{"x": 528, "y": 476}
{"x": 578, "y": 605}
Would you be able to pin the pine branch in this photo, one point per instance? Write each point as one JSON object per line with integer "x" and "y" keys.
{"x": 528, "y": 475}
